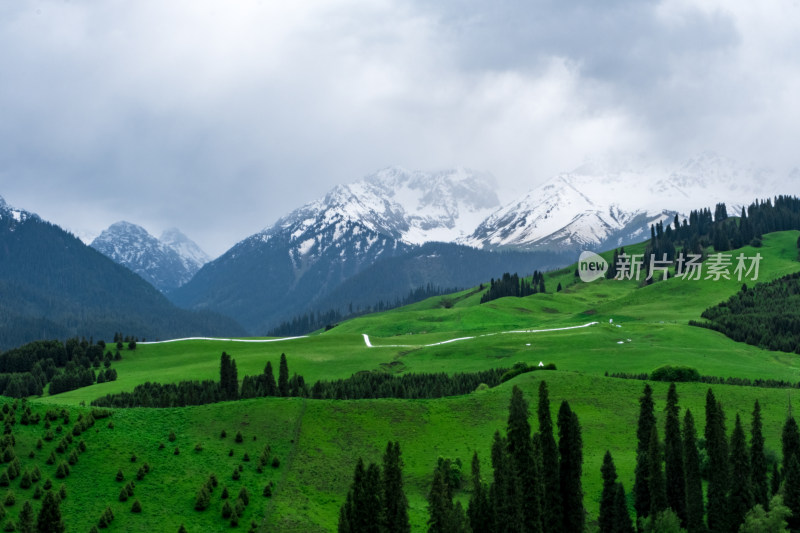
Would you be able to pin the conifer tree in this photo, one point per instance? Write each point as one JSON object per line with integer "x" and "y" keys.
{"x": 505, "y": 492}
{"x": 641, "y": 486}
{"x": 283, "y": 376}
{"x": 791, "y": 491}
{"x": 26, "y": 523}
{"x": 609, "y": 494}
{"x": 717, "y": 449}
{"x": 49, "y": 519}
{"x": 396, "y": 504}
{"x": 551, "y": 492}
{"x": 790, "y": 441}
{"x": 202, "y": 500}
{"x": 621, "y": 519}
{"x": 673, "y": 457}
{"x": 479, "y": 511}
{"x": 658, "y": 493}
{"x": 444, "y": 516}
{"x": 740, "y": 499}
{"x": 570, "y": 448}
{"x": 271, "y": 389}
{"x": 758, "y": 459}
{"x": 694, "y": 482}
{"x": 520, "y": 448}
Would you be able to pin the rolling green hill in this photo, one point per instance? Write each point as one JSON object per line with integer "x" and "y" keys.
{"x": 638, "y": 328}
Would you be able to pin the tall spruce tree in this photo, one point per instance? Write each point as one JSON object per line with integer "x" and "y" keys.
{"x": 607, "y": 498}
{"x": 271, "y": 388}
{"x": 641, "y": 486}
{"x": 444, "y": 516}
{"x": 658, "y": 493}
{"x": 718, "y": 470}
{"x": 505, "y": 491}
{"x": 791, "y": 491}
{"x": 740, "y": 498}
{"x": 49, "y": 519}
{"x": 622, "y": 520}
{"x": 520, "y": 448}
{"x": 673, "y": 457}
{"x": 479, "y": 511}
{"x": 694, "y": 481}
{"x": 283, "y": 376}
{"x": 570, "y": 466}
{"x": 363, "y": 508}
{"x": 394, "y": 498}
{"x": 551, "y": 492}
{"x": 373, "y": 499}
{"x": 758, "y": 459}
{"x": 790, "y": 441}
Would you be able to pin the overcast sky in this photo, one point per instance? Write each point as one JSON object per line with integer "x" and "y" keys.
{"x": 219, "y": 117}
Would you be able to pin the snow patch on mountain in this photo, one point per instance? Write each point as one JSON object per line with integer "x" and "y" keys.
{"x": 608, "y": 202}
{"x": 191, "y": 254}
{"x": 166, "y": 264}
{"x": 411, "y": 206}
{"x": 17, "y": 215}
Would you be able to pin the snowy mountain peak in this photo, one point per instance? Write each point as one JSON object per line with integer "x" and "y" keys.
{"x": 606, "y": 202}
{"x": 410, "y": 206}
{"x": 18, "y": 215}
{"x": 166, "y": 265}
{"x": 186, "y": 248}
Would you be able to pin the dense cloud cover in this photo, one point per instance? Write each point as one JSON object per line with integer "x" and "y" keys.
{"x": 219, "y": 117}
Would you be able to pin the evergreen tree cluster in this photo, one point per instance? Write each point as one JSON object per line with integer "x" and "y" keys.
{"x": 669, "y": 474}
{"x": 717, "y": 380}
{"x": 705, "y": 228}
{"x": 513, "y": 285}
{"x": 766, "y": 315}
{"x": 536, "y": 482}
{"x": 365, "y": 385}
{"x": 26, "y": 370}
{"x": 376, "y": 501}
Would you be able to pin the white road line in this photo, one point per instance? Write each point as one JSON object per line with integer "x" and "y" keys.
{"x": 226, "y": 340}
{"x": 369, "y": 344}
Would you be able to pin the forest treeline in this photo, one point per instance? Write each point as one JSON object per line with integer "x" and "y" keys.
{"x": 513, "y": 285}
{"x": 711, "y": 483}
{"x": 683, "y": 374}
{"x": 28, "y": 369}
{"x": 360, "y": 386}
{"x": 766, "y": 315}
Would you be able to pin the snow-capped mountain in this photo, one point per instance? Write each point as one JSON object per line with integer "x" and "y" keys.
{"x": 602, "y": 204}
{"x": 309, "y": 252}
{"x": 11, "y": 215}
{"x": 390, "y": 207}
{"x": 166, "y": 264}
{"x": 191, "y": 254}
{"x": 411, "y": 206}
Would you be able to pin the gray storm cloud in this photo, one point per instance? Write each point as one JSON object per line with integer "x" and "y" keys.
{"x": 220, "y": 117}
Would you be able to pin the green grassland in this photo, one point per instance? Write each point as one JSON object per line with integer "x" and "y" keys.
{"x": 318, "y": 442}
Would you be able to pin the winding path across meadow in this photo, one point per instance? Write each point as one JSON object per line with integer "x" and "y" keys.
{"x": 370, "y": 345}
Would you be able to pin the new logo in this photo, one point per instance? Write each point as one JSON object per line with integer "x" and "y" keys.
{"x": 591, "y": 266}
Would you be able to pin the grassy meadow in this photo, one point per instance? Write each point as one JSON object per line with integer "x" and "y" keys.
{"x": 318, "y": 442}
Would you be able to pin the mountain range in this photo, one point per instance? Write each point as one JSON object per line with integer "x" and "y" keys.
{"x": 396, "y": 230}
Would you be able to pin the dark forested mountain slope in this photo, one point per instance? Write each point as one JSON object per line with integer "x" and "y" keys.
{"x": 54, "y": 286}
